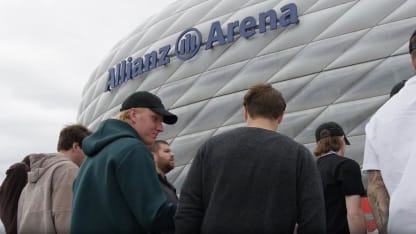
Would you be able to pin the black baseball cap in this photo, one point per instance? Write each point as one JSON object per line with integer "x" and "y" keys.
{"x": 412, "y": 45}
{"x": 333, "y": 129}
{"x": 151, "y": 101}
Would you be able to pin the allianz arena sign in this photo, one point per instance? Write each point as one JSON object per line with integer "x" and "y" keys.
{"x": 190, "y": 41}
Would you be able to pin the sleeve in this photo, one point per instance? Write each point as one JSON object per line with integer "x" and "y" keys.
{"x": 62, "y": 196}
{"x": 349, "y": 174}
{"x": 370, "y": 161}
{"x": 310, "y": 198}
{"x": 136, "y": 175}
{"x": 190, "y": 212}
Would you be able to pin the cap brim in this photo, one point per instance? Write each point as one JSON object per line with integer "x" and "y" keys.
{"x": 346, "y": 140}
{"x": 168, "y": 118}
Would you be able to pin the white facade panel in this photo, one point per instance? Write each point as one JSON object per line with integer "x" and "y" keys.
{"x": 338, "y": 63}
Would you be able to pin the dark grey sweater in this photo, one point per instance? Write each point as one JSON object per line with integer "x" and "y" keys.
{"x": 251, "y": 180}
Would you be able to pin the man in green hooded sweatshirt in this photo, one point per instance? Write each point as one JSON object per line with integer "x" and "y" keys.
{"x": 117, "y": 188}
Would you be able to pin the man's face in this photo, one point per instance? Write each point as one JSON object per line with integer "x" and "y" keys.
{"x": 75, "y": 153}
{"x": 80, "y": 156}
{"x": 164, "y": 158}
{"x": 148, "y": 124}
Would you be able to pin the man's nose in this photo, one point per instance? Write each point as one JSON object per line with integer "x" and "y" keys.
{"x": 160, "y": 127}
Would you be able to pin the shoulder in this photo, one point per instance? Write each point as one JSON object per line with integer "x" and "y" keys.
{"x": 65, "y": 167}
{"x": 348, "y": 161}
{"x": 228, "y": 134}
{"x": 348, "y": 166}
{"x": 62, "y": 166}
{"x": 339, "y": 160}
{"x": 135, "y": 152}
{"x": 60, "y": 160}
{"x": 252, "y": 133}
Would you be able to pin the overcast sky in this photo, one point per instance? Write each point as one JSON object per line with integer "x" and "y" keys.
{"x": 48, "y": 49}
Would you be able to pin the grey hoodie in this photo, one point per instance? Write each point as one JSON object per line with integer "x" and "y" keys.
{"x": 45, "y": 202}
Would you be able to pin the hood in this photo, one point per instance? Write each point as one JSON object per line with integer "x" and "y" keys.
{"x": 40, "y": 163}
{"x": 109, "y": 131}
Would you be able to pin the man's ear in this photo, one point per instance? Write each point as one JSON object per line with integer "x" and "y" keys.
{"x": 132, "y": 114}
{"x": 75, "y": 146}
{"x": 245, "y": 113}
{"x": 280, "y": 118}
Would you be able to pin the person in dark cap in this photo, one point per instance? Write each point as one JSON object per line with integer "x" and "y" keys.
{"x": 117, "y": 189}
{"x": 390, "y": 158}
{"x": 341, "y": 179}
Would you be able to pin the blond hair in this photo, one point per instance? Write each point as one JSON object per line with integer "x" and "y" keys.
{"x": 125, "y": 114}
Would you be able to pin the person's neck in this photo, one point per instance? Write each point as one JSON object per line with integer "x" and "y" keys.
{"x": 263, "y": 123}
{"x": 160, "y": 172}
{"x": 68, "y": 154}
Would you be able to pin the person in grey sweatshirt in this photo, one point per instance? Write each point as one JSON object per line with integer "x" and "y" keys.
{"x": 45, "y": 202}
{"x": 252, "y": 179}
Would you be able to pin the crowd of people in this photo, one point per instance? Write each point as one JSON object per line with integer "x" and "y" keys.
{"x": 251, "y": 179}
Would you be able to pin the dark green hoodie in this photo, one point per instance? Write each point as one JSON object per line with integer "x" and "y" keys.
{"x": 117, "y": 189}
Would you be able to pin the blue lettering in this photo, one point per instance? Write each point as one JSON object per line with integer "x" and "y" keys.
{"x": 271, "y": 14}
{"x": 129, "y": 70}
{"x": 215, "y": 34}
{"x": 110, "y": 84}
{"x": 137, "y": 66}
{"x": 289, "y": 16}
{"x": 164, "y": 57}
{"x": 248, "y": 27}
{"x": 188, "y": 43}
{"x": 122, "y": 72}
{"x": 231, "y": 30}
{"x": 118, "y": 72}
{"x": 150, "y": 61}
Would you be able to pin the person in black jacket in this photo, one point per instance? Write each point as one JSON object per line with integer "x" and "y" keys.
{"x": 252, "y": 179}
{"x": 10, "y": 190}
{"x": 163, "y": 157}
{"x": 341, "y": 178}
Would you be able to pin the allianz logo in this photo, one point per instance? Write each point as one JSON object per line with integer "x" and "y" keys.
{"x": 190, "y": 41}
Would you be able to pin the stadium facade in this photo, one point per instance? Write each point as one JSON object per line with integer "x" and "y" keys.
{"x": 332, "y": 60}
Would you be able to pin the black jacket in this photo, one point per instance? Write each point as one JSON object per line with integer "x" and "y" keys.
{"x": 12, "y": 186}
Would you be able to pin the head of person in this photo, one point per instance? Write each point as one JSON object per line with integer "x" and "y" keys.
{"x": 70, "y": 142}
{"x": 412, "y": 48}
{"x": 145, "y": 112}
{"x": 163, "y": 156}
{"x": 263, "y": 101}
{"x": 330, "y": 136}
